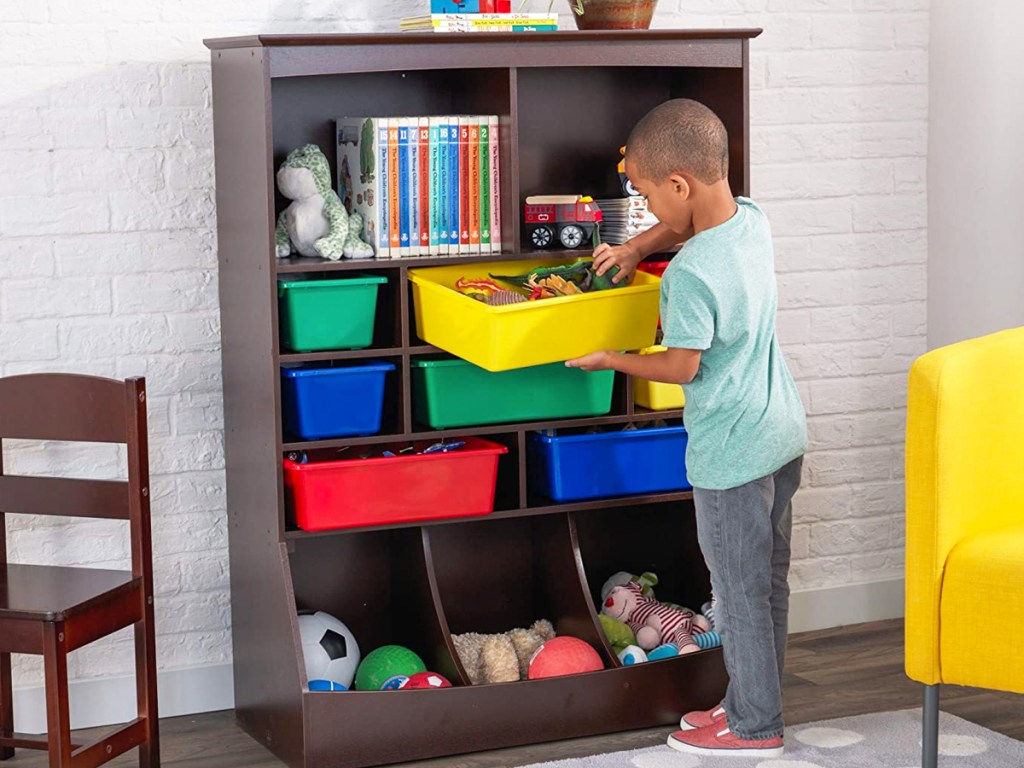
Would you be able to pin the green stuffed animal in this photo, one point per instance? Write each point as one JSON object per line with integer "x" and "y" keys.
{"x": 619, "y": 635}
{"x": 315, "y": 223}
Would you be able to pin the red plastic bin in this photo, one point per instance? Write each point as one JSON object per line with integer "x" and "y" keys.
{"x": 656, "y": 268}
{"x": 351, "y": 493}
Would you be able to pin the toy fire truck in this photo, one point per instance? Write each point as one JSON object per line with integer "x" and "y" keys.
{"x": 568, "y": 219}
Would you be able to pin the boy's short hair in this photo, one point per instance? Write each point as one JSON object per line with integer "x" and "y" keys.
{"x": 679, "y": 135}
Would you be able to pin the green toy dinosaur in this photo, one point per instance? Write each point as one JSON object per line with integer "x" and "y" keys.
{"x": 315, "y": 223}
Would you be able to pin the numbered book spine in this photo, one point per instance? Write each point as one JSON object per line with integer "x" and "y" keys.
{"x": 424, "y": 182}
{"x": 435, "y": 181}
{"x": 405, "y": 188}
{"x": 485, "y": 185}
{"x": 464, "y": 185}
{"x": 394, "y": 217}
{"x": 494, "y": 130}
{"x": 453, "y": 185}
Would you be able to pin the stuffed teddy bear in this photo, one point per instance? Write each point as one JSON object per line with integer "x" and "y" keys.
{"x": 315, "y": 223}
{"x": 503, "y": 657}
{"x": 654, "y": 623}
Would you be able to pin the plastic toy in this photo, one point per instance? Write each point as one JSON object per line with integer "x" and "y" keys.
{"x": 315, "y": 223}
{"x": 563, "y": 656}
{"x": 563, "y": 280}
{"x": 326, "y": 685}
{"x": 627, "y": 186}
{"x": 503, "y": 657}
{"x": 329, "y": 650}
{"x": 567, "y": 219}
{"x": 381, "y": 666}
{"x": 654, "y": 623}
{"x": 425, "y": 680}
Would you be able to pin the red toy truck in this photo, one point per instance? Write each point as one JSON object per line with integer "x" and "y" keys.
{"x": 569, "y": 219}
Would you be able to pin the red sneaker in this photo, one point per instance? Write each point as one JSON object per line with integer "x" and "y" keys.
{"x": 719, "y": 740}
{"x": 691, "y": 721}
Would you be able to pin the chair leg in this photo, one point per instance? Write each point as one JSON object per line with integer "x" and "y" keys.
{"x": 6, "y": 703}
{"x": 930, "y": 728}
{"x": 145, "y": 682}
{"x": 58, "y": 721}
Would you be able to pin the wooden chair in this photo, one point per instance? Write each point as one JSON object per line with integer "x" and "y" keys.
{"x": 50, "y": 610}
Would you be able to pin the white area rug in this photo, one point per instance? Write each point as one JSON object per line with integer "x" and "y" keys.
{"x": 884, "y": 740}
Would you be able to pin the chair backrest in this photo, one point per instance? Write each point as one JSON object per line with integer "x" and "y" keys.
{"x": 76, "y": 408}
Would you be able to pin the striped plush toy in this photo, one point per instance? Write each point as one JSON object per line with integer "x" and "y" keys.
{"x": 654, "y": 623}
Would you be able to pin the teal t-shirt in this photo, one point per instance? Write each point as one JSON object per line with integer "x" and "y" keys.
{"x": 743, "y": 411}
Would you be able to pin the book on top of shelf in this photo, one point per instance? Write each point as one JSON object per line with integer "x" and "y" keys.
{"x": 470, "y": 6}
{"x": 481, "y": 22}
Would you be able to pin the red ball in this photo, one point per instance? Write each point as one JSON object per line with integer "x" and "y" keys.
{"x": 563, "y": 656}
{"x": 425, "y": 680}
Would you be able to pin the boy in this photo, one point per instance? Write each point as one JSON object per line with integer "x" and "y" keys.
{"x": 746, "y": 424}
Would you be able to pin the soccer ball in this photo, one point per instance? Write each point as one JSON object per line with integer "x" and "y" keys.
{"x": 329, "y": 649}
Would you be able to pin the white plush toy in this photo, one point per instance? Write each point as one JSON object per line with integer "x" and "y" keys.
{"x": 316, "y": 223}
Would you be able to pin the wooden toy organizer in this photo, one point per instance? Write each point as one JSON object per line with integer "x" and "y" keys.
{"x": 567, "y": 101}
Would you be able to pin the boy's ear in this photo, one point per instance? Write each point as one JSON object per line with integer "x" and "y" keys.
{"x": 680, "y": 185}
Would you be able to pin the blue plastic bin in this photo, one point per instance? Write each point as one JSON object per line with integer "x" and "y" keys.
{"x": 335, "y": 401}
{"x": 623, "y": 463}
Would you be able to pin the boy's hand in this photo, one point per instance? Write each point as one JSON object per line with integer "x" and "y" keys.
{"x": 595, "y": 361}
{"x": 625, "y": 257}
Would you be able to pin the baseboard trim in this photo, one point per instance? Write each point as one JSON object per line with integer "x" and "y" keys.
{"x": 847, "y": 604}
{"x": 105, "y": 701}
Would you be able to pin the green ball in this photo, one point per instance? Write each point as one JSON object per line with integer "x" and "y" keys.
{"x": 384, "y": 663}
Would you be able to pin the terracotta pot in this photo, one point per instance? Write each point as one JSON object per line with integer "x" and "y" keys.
{"x": 615, "y": 14}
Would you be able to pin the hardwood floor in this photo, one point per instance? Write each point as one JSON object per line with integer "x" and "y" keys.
{"x": 831, "y": 673}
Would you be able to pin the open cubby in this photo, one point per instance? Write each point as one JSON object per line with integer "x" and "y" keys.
{"x": 566, "y": 102}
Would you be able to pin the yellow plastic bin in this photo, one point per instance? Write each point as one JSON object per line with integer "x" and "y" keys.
{"x": 531, "y": 333}
{"x": 655, "y": 395}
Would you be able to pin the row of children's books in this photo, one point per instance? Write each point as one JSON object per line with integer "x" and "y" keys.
{"x": 425, "y": 186}
{"x": 481, "y": 22}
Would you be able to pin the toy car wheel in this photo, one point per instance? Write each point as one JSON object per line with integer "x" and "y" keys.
{"x": 571, "y": 236}
{"x": 541, "y": 237}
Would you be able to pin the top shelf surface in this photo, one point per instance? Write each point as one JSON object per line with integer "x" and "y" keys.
{"x": 409, "y": 38}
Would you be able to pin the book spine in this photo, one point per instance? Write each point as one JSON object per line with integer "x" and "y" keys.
{"x": 485, "y": 184}
{"x": 453, "y": 185}
{"x": 495, "y": 184}
{"x": 503, "y": 6}
{"x": 463, "y": 132}
{"x": 456, "y": 6}
{"x": 473, "y": 187}
{"x": 424, "y": 177}
{"x": 413, "y": 126}
{"x": 443, "y": 175}
{"x": 394, "y": 226}
{"x": 357, "y": 173}
{"x": 383, "y": 233}
{"x": 487, "y": 6}
{"x": 403, "y": 186}
{"x": 435, "y": 193}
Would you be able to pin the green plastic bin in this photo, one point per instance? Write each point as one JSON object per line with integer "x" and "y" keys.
{"x": 449, "y": 392}
{"x": 328, "y": 314}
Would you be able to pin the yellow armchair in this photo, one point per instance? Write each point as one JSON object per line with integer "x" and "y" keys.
{"x": 965, "y": 520}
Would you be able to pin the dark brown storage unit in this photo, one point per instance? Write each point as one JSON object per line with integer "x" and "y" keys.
{"x": 566, "y": 101}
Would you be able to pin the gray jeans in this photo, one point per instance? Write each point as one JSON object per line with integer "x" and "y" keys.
{"x": 744, "y": 533}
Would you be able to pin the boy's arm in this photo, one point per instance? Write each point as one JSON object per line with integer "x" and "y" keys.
{"x": 674, "y": 366}
{"x": 626, "y": 256}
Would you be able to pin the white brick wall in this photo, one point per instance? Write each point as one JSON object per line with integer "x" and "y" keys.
{"x": 108, "y": 260}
